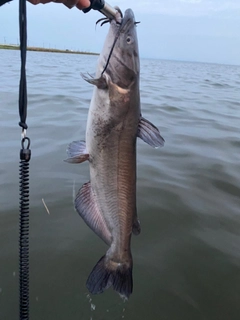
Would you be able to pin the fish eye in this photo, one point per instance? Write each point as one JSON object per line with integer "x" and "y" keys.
{"x": 129, "y": 39}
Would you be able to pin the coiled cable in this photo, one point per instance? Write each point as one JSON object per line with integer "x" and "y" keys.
{"x": 25, "y": 155}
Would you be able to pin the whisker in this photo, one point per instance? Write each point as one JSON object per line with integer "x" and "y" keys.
{"x": 105, "y": 20}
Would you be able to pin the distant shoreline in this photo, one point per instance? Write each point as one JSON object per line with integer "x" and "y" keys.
{"x": 15, "y": 47}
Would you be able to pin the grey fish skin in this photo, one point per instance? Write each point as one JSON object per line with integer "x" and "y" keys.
{"x": 108, "y": 202}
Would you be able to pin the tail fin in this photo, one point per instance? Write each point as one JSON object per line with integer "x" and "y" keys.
{"x": 107, "y": 273}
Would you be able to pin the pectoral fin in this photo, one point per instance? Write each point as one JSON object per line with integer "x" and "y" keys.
{"x": 136, "y": 228}
{"x": 149, "y": 133}
{"x": 77, "y": 152}
{"x": 87, "y": 207}
{"x": 101, "y": 82}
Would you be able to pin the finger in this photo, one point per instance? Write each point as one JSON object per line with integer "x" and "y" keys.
{"x": 68, "y": 3}
{"x": 82, "y": 4}
{"x": 34, "y": 1}
{"x": 40, "y": 1}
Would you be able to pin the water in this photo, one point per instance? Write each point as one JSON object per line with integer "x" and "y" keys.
{"x": 187, "y": 258}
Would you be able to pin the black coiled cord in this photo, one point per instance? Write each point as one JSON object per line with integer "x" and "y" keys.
{"x": 25, "y": 155}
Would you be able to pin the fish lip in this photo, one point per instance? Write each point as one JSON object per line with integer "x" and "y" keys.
{"x": 127, "y": 19}
{"x": 128, "y": 15}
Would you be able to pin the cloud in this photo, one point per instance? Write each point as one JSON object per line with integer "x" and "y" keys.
{"x": 223, "y": 8}
{"x": 174, "y": 29}
{"x": 191, "y": 1}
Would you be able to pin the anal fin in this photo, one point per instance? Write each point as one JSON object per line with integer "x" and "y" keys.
{"x": 149, "y": 133}
{"x": 87, "y": 207}
{"x": 77, "y": 152}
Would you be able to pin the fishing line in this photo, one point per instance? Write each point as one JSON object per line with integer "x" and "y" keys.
{"x": 111, "y": 51}
{"x": 25, "y": 155}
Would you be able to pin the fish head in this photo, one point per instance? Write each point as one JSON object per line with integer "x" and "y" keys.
{"x": 120, "y": 55}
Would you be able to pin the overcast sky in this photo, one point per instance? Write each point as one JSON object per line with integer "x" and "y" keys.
{"x": 192, "y": 30}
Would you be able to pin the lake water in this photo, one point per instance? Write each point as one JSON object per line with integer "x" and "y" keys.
{"x": 187, "y": 257}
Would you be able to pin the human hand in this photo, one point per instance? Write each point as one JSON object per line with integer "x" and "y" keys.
{"x": 80, "y": 4}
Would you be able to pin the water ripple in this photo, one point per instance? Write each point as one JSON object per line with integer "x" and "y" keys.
{"x": 188, "y": 193}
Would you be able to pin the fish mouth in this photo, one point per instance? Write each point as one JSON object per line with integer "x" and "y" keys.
{"x": 119, "y": 20}
{"x": 124, "y": 22}
{"x": 127, "y": 19}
